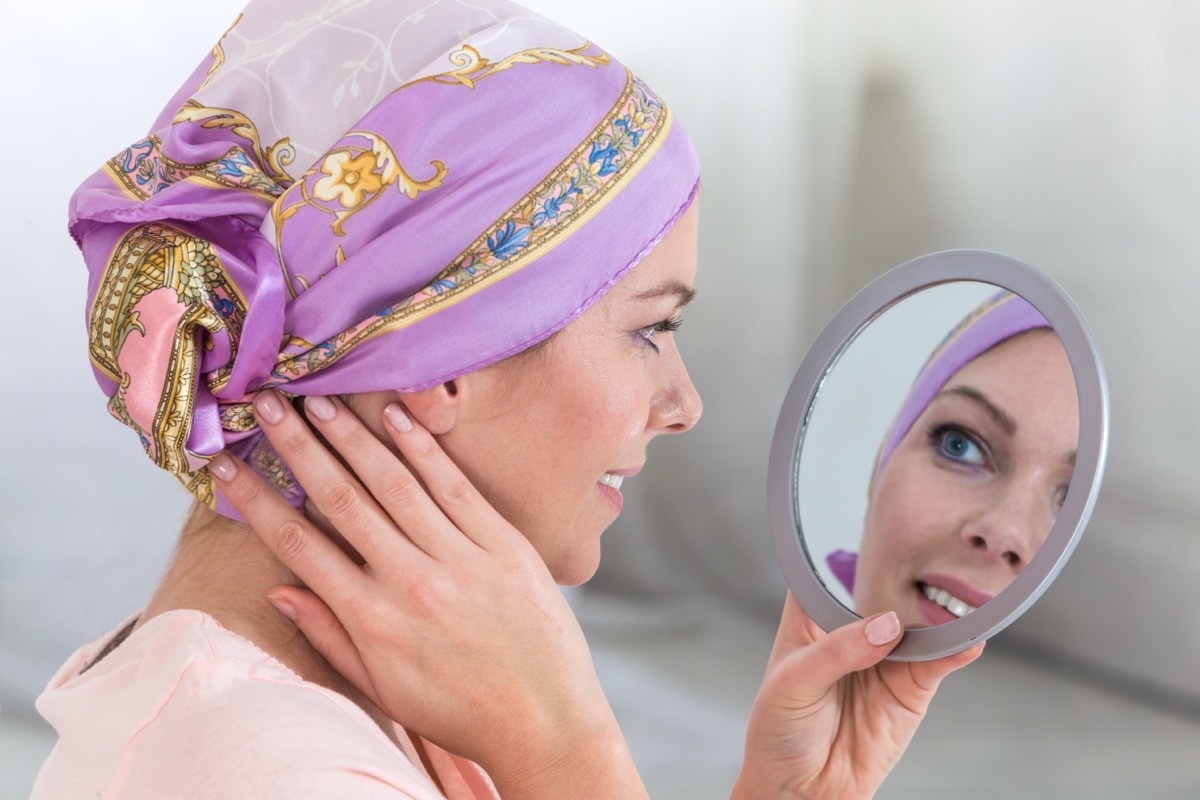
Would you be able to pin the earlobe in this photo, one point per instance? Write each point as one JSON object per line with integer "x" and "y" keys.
{"x": 436, "y": 408}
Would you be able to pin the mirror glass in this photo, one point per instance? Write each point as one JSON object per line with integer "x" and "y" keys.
{"x": 939, "y": 451}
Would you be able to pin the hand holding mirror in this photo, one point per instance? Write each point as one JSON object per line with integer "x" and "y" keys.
{"x": 955, "y": 498}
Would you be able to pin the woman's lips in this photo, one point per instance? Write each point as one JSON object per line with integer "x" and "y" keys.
{"x": 610, "y": 485}
{"x": 943, "y": 598}
{"x": 611, "y": 494}
{"x": 957, "y": 587}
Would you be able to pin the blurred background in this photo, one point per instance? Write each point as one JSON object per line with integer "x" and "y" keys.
{"x": 839, "y": 138}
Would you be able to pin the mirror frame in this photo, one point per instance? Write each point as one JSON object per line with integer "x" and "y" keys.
{"x": 799, "y": 569}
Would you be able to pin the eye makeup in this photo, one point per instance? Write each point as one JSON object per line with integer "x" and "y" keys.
{"x": 648, "y": 333}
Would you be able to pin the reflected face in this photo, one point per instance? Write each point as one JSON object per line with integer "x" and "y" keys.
{"x": 971, "y": 492}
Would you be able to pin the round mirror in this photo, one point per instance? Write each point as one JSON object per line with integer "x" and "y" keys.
{"x": 939, "y": 451}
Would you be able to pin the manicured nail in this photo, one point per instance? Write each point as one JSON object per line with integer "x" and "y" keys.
{"x": 283, "y": 606}
{"x": 320, "y": 407}
{"x": 223, "y": 467}
{"x": 883, "y": 629}
{"x": 398, "y": 419}
{"x": 268, "y": 407}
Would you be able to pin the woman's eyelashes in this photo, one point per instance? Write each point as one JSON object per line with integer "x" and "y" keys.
{"x": 648, "y": 333}
{"x": 958, "y": 445}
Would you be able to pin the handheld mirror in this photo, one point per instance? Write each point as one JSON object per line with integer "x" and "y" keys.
{"x": 939, "y": 451}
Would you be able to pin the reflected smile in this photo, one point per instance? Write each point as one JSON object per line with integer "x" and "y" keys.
{"x": 954, "y": 605}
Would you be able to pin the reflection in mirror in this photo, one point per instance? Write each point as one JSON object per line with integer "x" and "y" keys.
{"x": 928, "y": 496}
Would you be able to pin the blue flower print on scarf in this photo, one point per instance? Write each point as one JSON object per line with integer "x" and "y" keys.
{"x": 550, "y": 208}
{"x": 236, "y": 165}
{"x": 634, "y": 132}
{"x": 508, "y": 240}
{"x": 604, "y": 157}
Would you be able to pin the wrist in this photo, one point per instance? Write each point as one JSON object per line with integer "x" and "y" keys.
{"x": 751, "y": 786}
{"x": 590, "y": 759}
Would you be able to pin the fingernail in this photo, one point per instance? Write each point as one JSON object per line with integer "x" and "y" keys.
{"x": 883, "y": 629}
{"x": 267, "y": 407}
{"x": 222, "y": 467}
{"x": 283, "y": 606}
{"x": 398, "y": 419}
{"x": 320, "y": 407}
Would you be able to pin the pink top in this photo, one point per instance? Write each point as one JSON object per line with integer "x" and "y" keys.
{"x": 184, "y": 708}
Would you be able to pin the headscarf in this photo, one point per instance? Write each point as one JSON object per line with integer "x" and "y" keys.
{"x": 995, "y": 321}
{"x": 363, "y": 195}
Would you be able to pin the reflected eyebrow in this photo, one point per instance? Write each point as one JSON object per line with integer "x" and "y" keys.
{"x": 970, "y": 392}
{"x": 681, "y": 290}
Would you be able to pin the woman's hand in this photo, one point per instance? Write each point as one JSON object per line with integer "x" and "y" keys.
{"x": 832, "y": 718}
{"x": 450, "y": 623}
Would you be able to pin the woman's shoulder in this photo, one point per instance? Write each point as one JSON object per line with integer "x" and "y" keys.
{"x": 185, "y": 707}
{"x": 196, "y": 666}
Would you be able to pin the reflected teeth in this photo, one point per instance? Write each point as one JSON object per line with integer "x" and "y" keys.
{"x": 947, "y": 601}
{"x": 612, "y": 480}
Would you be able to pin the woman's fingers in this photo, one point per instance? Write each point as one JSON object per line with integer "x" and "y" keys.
{"x": 816, "y": 660}
{"x": 850, "y": 648}
{"x": 455, "y": 495}
{"x": 294, "y": 540}
{"x": 325, "y": 633}
{"x": 329, "y": 485}
{"x": 929, "y": 674}
{"x": 796, "y": 630}
{"x": 392, "y": 485}
{"x": 881, "y": 634}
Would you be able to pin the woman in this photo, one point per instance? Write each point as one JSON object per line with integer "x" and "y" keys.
{"x": 472, "y": 284}
{"x": 973, "y": 471}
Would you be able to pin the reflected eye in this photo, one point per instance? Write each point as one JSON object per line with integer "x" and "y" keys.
{"x": 666, "y": 326}
{"x": 954, "y": 443}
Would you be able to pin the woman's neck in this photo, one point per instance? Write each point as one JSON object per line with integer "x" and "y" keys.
{"x": 223, "y": 569}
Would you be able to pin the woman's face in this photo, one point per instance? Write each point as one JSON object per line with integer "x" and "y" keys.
{"x": 548, "y": 436}
{"x": 972, "y": 490}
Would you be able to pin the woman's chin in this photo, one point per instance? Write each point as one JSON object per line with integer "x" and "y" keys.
{"x": 576, "y": 567}
{"x": 575, "y": 574}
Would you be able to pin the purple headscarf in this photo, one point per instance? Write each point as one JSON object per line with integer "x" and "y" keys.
{"x": 356, "y": 196}
{"x": 997, "y": 320}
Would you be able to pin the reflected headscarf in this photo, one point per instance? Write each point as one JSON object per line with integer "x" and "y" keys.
{"x": 997, "y": 320}
{"x": 363, "y": 195}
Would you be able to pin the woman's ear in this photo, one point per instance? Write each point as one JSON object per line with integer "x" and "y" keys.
{"x": 436, "y": 408}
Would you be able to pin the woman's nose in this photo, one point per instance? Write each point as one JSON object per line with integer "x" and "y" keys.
{"x": 677, "y": 407}
{"x": 1011, "y": 529}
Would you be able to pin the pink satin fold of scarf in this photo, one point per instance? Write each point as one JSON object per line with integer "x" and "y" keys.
{"x": 359, "y": 196}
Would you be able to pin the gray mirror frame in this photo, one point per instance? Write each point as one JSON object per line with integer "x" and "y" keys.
{"x": 798, "y": 567}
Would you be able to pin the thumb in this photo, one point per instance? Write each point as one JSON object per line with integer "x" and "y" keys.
{"x": 324, "y": 632}
{"x": 929, "y": 674}
{"x": 850, "y": 648}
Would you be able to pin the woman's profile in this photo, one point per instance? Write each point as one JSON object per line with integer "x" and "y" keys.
{"x": 391, "y": 288}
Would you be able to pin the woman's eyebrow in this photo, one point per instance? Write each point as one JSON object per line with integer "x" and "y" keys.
{"x": 970, "y": 392}
{"x": 681, "y": 290}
